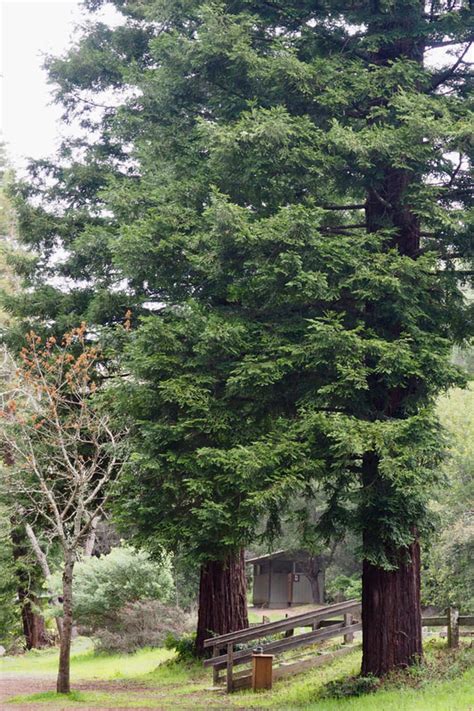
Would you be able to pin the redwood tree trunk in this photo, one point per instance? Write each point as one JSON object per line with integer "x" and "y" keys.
{"x": 391, "y": 615}
{"x": 222, "y": 598}
{"x": 391, "y": 611}
{"x": 34, "y": 628}
{"x": 63, "y": 685}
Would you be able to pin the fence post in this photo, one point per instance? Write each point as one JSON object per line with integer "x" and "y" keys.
{"x": 289, "y": 633}
{"x": 230, "y": 665}
{"x": 349, "y": 637}
{"x": 453, "y": 627}
{"x": 215, "y": 670}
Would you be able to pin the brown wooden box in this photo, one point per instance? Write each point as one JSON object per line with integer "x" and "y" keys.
{"x": 262, "y": 665}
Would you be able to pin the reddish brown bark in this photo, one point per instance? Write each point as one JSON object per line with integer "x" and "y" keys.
{"x": 34, "y": 628}
{"x": 222, "y": 598}
{"x": 391, "y": 615}
{"x": 391, "y": 611}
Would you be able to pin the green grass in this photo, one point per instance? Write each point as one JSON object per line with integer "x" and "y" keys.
{"x": 454, "y": 695}
{"x": 86, "y": 664}
{"x": 255, "y": 616}
{"x": 125, "y": 699}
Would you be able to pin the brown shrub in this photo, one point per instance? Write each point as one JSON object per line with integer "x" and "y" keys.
{"x": 145, "y": 623}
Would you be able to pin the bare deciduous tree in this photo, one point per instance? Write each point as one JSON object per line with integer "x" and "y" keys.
{"x": 65, "y": 454}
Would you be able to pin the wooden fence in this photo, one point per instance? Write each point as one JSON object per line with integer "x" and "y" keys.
{"x": 323, "y": 626}
{"x": 453, "y": 621}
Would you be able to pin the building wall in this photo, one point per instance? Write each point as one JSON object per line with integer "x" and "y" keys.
{"x": 279, "y": 590}
{"x": 302, "y": 594}
{"x": 260, "y": 589}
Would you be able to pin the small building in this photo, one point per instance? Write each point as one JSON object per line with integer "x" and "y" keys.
{"x": 286, "y": 578}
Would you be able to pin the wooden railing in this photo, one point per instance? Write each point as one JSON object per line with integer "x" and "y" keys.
{"x": 323, "y": 627}
{"x": 453, "y": 621}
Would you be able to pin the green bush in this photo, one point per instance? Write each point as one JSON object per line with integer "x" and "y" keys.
{"x": 104, "y": 585}
{"x": 344, "y": 587}
{"x": 448, "y": 573}
{"x": 352, "y": 686}
{"x": 185, "y": 646}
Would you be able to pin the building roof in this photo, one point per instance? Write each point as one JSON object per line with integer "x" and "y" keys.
{"x": 290, "y": 554}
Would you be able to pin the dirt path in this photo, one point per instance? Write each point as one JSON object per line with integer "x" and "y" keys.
{"x": 15, "y": 684}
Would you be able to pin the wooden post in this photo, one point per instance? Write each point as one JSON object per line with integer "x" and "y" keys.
{"x": 230, "y": 666}
{"x": 262, "y": 671}
{"x": 453, "y": 627}
{"x": 349, "y": 637}
{"x": 289, "y": 633}
{"x": 215, "y": 670}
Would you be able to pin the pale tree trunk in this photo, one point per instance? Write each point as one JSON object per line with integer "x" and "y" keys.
{"x": 90, "y": 540}
{"x": 63, "y": 685}
{"x": 44, "y": 565}
{"x": 317, "y": 593}
{"x": 314, "y": 572}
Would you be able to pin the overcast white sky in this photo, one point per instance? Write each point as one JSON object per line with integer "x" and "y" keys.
{"x": 30, "y": 29}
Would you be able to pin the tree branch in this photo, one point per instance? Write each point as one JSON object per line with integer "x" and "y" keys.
{"x": 449, "y": 72}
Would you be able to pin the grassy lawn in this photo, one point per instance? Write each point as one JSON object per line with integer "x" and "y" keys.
{"x": 454, "y": 695}
{"x": 85, "y": 664}
{"x": 150, "y": 679}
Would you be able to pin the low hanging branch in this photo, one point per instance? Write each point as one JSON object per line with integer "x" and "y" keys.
{"x": 65, "y": 454}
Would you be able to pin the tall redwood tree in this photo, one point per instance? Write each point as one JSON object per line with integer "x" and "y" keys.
{"x": 294, "y": 178}
{"x": 391, "y": 606}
